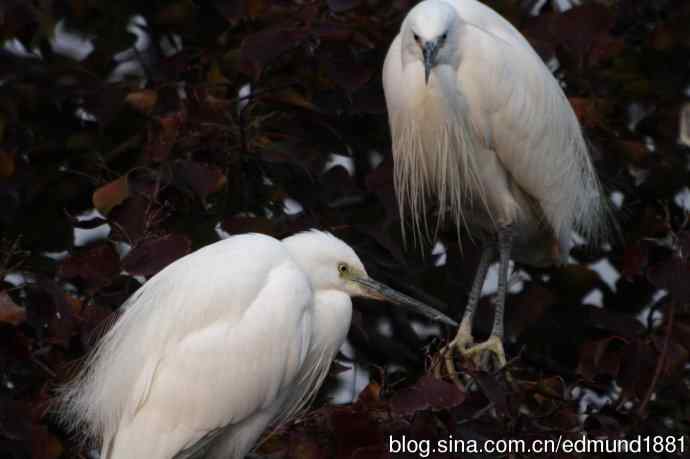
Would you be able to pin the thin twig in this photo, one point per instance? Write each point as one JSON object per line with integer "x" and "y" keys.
{"x": 662, "y": 360}
{"x": 476, "y": 415}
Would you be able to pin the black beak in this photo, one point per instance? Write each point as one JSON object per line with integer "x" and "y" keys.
{"x": 378, "y": 291}
{"x": 429, "y": 52}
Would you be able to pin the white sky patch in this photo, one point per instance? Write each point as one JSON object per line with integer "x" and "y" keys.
{"x": 536, "y": 7}
{"x": 222, "y": 234}
{"x": 617, "y": 198}
{"x": 684, "y": 123}
{"x": 128, "y": 64}
{"x": 85, "y": 116}
{"x": 594, "y": 298}
{"x": 352, "y": 381}
{"x": 425, "y": 329}
{"x": 577, "y": 238}
{"x": 606, "y": 272}
{"x": 639, "y": 175}
{"x": 491, "y": 283}
{"x": 122, "y": 248}
{"x": 589, "y": 401}
{"x": 440, "y": 249}
{"x": 70, "y": 44}
{"x": 644, "y": 316}
{"x": 559, "y": 5}
{"x": 70, "y": 288}
{"x": 15, "y": 47}
{"x": 516, "y": 284}
{"x": 137, "y": 25}
{"x": 340, "y": 160}
{"x": 171, "y": 44}
{"x": 57, "y": 256}
{"x": 83, "y": 237}
{"x": 682, "y": 198}
{"x": 553, "y": 64}
{"x": 126, "y": 68}
{"x": 15, "y": 278}
{"x": 375, "y": 159}
{"x": 384, "y": 327}
{"x": 244, "y": 91}
{"x": 564, "y": 5}
{"x": 636, "y": 112}
{"x": 515, "y": 280}
{"x": 292, "y": 207}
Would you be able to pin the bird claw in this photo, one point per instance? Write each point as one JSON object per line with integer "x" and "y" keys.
{"x": 488, "y": 355}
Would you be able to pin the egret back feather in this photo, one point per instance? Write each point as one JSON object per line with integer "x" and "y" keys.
{"x": 491, "y": 127}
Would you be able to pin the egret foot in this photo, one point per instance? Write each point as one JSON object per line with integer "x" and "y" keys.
{"x": 487, "y": 353}
{"x": 463, "y": 340}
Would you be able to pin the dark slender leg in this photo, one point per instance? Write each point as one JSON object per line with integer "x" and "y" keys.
{"x": 505, "y": 242}
{"x": 495, "y": 342}
{"x": 464, "y": 336}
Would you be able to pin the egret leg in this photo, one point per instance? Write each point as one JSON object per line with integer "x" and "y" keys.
{"x": 495, "y": 342}
{"x": 463, "y": 339}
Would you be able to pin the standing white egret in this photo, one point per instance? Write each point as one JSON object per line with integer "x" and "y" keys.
{"x": 480, "y": 124}
{"x": 219, "y": 345}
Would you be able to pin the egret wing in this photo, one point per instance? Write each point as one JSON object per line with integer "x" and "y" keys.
{"x": 227, "y": 373}
{"x": 520, "y": 112}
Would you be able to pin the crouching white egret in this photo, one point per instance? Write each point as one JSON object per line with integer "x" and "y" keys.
{"x": 219, "y": 345}
{"x": 480, "y": 125}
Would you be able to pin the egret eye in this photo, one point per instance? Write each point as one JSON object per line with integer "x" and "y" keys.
{"x": 343, "y": 268}
{"x": 416, "y": 37}
{"x": 443, "y": 37}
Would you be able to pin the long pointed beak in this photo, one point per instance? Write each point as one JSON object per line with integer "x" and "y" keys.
{"x": 429, "y": 53}
{"x": 378, "y": 291}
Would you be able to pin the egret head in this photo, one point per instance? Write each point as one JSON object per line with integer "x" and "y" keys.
{"x": 331, "y": 264}
{"x": 429, "y": 34}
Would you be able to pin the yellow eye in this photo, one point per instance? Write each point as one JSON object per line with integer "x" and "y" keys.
{"x": 343, "y": 268}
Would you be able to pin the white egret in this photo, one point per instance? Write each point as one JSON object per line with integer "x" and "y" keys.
{"x": 219, "y": 345}
{"x": 480, "y": 125}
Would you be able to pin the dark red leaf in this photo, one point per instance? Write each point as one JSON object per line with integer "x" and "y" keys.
{"x": 347, "y": 71}
{"x": 203, "y": 179}
{"x": 356, "y": 429}
{"x": 96, "y": 266}
{"x": 241, "y": 224}
{"x": 15, "y": 419}
{"x": 130, "y": 220}
{"x": 163, "y": 135}
{"x": 429, "y": 393}
{"x": 110, "y": 195}
{"x": 600, "y": 357}
{"x": 672, "y": 275}
{"x": 262, "y": 48}
{"x": 339, "y": 6}
{"x": 152, "y": 255}
{"x": 49, "y": 312}
{"x": 233, "y": 10}
{"x": 634, "y": 260}
{"x": 493, "y": 391}
{"x": 45, "y": 445}
{"x": 637, "y": 369}
{"x": 9, "y": 311}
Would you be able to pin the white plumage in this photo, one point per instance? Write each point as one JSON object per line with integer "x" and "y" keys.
{"x": 219, "y": 345}
{"x": 483, "y": 131}
{"x": 492, "y": 128}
